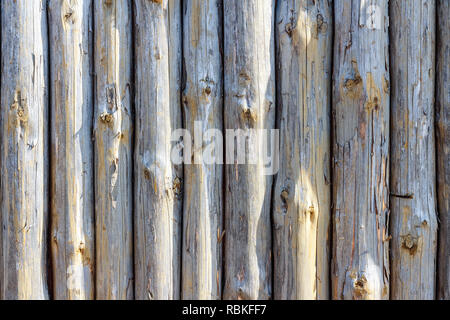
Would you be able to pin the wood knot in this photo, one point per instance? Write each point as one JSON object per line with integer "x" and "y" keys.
{"x": 285, "y": 199}
{"x": 289, "y": 28}
{"x": 360, "y": 287}
{"x": 248, "y": 115}
{"x": 322, "y": 26}
{"x": 107, "y": 118}
{"x": 177, "y": 187}
{"x": 409, "y": 243}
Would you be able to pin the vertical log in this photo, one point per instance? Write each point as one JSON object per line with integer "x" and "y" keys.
{"x": 158, "y": 189}
{"x": 23, "y": 150}
{"x": 443, "y": 145}
{"x": 413, "y": 192}
{"x": 302, "y": 194}
{"x": 203, "y": 110}
{"x": 249, "y": 80}
{"x": 360, "y": 262}
{"x": 113, "y": 149}
{"x": 72, "y": 214}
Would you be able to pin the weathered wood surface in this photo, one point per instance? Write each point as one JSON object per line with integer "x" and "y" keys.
{"x": 158, "y": 182}
{"x": 302, "y": 194}
{"x": 412, "y": 183}
{"x": 23, "y": 150}
{"x": 113, "y": 161}
{"x": 203, "y": 181}
{"x": 72, "y": 189}
{"x": 443, "y": 145}
{"x": 360, "y": 262}
{"x": 249, "y": 82}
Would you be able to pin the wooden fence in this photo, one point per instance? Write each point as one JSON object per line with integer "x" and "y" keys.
{"x": 93, "y": 207}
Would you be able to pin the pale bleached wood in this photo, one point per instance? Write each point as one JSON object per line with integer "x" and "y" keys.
{"x": 72, "y": 190}
{"x": 360, "y": 262}
{"x": 249, "y": 82}
{"x": 412, "y": 187}
{"x": 113, "y": 161}
{"x": 443, "y": 145}
{"x": 203, "y": 109}
{"x": 158, "y": 182}
{"x": 23, "y": 150}
{"x": 302, "y": 194}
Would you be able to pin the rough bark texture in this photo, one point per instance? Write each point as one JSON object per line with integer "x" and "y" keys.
{"x": 249, "y": 72}
{"x": 203, "y": 110}
{"x": 23, "y": 150}
{"x": 413, "y": 192}
{"x": 443, "y": 145}
{"x": 302, "y": 196}
{"x": 72, "y": 190}
{"x": 113, "y": 149}
{"x": 158, "y": 182}
{"x": 360, "y": 266}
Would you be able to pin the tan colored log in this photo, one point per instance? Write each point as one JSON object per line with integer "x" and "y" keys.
{"x": 360, "y": 262}
{"x": 203, "y": 192}
{"x": 302, "y": 194}
{"x": 443, "y": 145}
{"x": 158, "y": 182}
{"x": 113, "y": 149}
{"x": 413, "y": 192}
{"x": 72, "y": 189}
{"x": 249, "y": 80}
{"x": 23, "y": 150}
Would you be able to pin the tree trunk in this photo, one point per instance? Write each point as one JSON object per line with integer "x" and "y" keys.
{"x": 413, "y": 194}
{"x": 302, "y": 198}
{"x": 113, "y": 150}
{"x": 249, "y": 104}
{"x": 360, "y": 262}
{"x": 23, "y": 150}
{"x": 72, "y": 209}
{"x": 443, "y": 145}
{"x": 203, "y": 110}
{"x": 158, "y": 189}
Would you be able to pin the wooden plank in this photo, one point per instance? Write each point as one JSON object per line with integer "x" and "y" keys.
{"x": 443, "y": 144}
{"x": 158, "y": 182}
{"x": 203, "y": 109}
{"x": 413, "y": 191}
{"x": 249, "y": 81}
{"x": 23, "y": 150}
{"x": 302, "y": 194}
{"x": 113, "y": 161}
{"x": 360, "y": 262}
{"x": 72, "y": 189}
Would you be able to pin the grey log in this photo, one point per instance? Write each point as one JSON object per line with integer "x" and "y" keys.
{"x": 72, "y": 184}
{"x": 113, "y": 132}
{"x": 360, "y": 261}
{"x": 158, "y": 181}
{"x": 23, "y": 150}
{"x": 249, "y": 82}
{"x": 203, "y": 182}
{"x": 302, "y": 196}
{"x": 413, "y": 183}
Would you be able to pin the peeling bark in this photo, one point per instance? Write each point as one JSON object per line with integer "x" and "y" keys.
{"x": 249, "y": 81}
{"x": 158, "y": 182}
{"x": 302, "y": 196}
{"x": 413, "y": 192}
{"x": 360, "y": 262}
{"x": 203, "y": 108}
{"x": 113, "y": 150}
{"x": 443, "y": 145}
{"x": 23, "y": 150}
{"x": 72, "y": 189}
